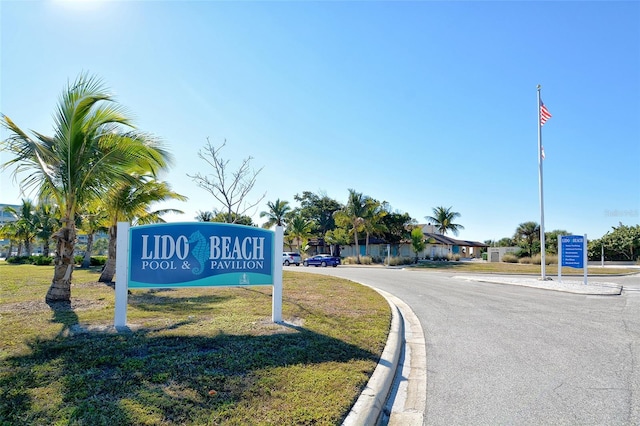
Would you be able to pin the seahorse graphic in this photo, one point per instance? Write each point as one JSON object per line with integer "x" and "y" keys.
{"x": 200, "y": 251}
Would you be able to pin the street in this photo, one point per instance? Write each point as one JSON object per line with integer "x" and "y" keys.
{"x": 501, "y": 354}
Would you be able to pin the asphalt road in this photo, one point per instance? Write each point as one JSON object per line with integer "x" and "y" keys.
{"x": 500, "y": 354}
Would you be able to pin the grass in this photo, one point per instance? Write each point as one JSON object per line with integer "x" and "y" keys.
{"x": 195, "y": 356}
{"x": 518, "y": 268}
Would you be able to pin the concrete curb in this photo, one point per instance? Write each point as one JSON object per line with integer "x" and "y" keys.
{"x": 407, "y": 404}
{"x": 565, "y": 286}
{"x": 368, "y": 408}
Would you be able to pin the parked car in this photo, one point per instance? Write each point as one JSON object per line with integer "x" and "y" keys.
{"x": 291, "y": 258}
{"x": 322, "y": 260}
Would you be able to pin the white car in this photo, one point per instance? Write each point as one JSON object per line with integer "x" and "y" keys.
{"x": 289, "y": 258}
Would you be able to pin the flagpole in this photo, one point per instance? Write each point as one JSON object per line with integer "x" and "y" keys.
{"x": 542, "y": 237}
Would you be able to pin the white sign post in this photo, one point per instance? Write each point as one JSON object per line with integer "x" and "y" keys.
{"x": 122, "y": 275}
{"x": 276, "y": 298}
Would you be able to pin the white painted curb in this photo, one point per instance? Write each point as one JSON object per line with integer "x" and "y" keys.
{"x": 368, "y": 408}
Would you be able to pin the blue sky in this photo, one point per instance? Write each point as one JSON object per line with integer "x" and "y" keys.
{"x": 420, "y": 104}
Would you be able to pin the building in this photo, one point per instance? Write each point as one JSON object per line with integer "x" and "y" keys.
{"x": 438, "y": 246}
{"x": 495, "y": 254}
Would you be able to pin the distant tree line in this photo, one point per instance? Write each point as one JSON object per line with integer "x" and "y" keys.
{"x": 622, "y": 243}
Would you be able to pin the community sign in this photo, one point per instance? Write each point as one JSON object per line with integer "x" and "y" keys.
{"x": 572, "y": 251}
{"x": 200, "y": 254}
{"x": 196, "y": 254}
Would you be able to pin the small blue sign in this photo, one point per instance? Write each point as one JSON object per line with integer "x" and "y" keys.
{"x": 200, "y": 254}
{"x": 572, "y": 247}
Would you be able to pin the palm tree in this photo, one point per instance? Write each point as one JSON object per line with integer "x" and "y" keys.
{"x": 222, "y": 217}
{"x": 235, "y": 218}
{"x": 26, "y": 227}
{"x": 8, "y": 232}
{"x": 335, "y": 238}
{"x": 204, "y": 216}
{"x": 276, "y": 214}
{"x": 93, "y": 147}
{"x": 352, "y": 216}
{"x": 131, "y": 203}
{"x": 443, "y": 218}
{"x": 94, "y": 219}
{"x": 527, "y": 233}
{"x": 288, "y": 240}
{"x": 47, "y": 218}
{"x": 417, "y": 241}
{"x": 299, "y": 229}
{"x": 373, "y": 224}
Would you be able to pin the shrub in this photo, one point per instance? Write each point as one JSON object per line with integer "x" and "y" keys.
{"x": 396, "y": 260}
{"x": 19, "y": 260}
{"x": 30, "y": 260}
{"x": 522, "y": 253}
{"x": 510, "y": 258}
{"x": 41, "y": 260}
{"x": 527, "y": 260}
{"x": 78, "y": 259}
{"x": 548, "y": 259}
{"x": 353, "y": 260}
{"x": 98, "y": 260}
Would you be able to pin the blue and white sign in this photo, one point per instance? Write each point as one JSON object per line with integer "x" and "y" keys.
{"x": 572, "y": 251}
{"x": 197, "y": 254}
{"x": 200, "y": 254}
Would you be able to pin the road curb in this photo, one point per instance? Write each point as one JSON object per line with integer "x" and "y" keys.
{"x": 368, "y": 408}
{"x": 567, "y": 286}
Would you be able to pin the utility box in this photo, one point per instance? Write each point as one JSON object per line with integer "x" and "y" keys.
{"x": 495, "y": 254}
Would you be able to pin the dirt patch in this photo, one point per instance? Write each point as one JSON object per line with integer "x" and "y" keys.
{"x": 41, "y": 306}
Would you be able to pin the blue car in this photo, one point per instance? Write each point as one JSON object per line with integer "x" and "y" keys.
{"x": 322, "y": 260}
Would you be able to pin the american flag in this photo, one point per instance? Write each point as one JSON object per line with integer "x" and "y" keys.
{"x": 544, "y": 113}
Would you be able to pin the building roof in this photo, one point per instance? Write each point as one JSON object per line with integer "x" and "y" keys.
{"x": 438, "y": 238}
{"x": 443, "y": 239}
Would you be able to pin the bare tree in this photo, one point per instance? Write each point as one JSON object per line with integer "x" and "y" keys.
{"x": 228, "y": 187}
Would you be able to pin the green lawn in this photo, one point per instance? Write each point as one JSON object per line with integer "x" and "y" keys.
{"x": 195, "y": 356}
{"x": 517, "y": 268}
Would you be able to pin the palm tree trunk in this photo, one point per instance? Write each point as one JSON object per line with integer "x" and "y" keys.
{"x": 109, "y": 270}
{"x": 60, "y": 289}
{"x": 366, "y": 250}
{"x": 357, "y": 246}
{"x": 86, "y": 262}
